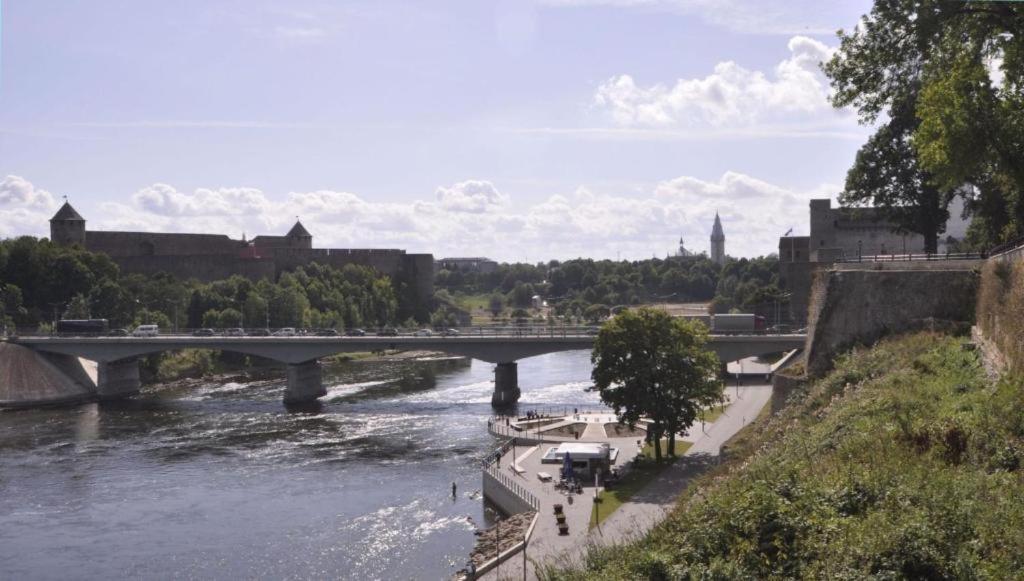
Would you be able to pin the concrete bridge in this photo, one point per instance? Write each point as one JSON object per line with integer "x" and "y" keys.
{"x": 119, "y": 370}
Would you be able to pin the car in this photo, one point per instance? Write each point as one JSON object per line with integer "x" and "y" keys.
{"x": 388, "y": 332}
{"x": 203, "y": 333}
{"x": 355, "y": 333}
{"x": 327, "y": 333}
{"x": 285, "y": 332}
{"x": 234, "y": 332}
{"x": 259, "y": 333}
{"x": 146, "y": 331}
{"x": 450, "y": 333}
{"x": 424, "y": 333}
{"x": 118, "y": 333}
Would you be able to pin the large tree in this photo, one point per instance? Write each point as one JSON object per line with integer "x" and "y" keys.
{"x": 650, "y": 364}
{"x": 917, "y": 65}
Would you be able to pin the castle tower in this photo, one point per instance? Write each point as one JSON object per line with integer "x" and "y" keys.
{"x": 717, "y": 242}
{"x": 299, "y": 237}
{"x": 67, "y": 226}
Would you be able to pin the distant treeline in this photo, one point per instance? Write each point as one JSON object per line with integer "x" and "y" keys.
{"x": 41, "y": 281}
{"x": 582, "y": 287}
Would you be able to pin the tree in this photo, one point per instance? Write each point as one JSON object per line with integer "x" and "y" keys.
{"x": 927, "y": 66}
{"x": 886, "y": 175}
{"x": 649, "y": 364}
{"x": 496, "y": 304}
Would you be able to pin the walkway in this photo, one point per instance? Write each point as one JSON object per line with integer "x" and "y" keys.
{"x": 645, "y": 509}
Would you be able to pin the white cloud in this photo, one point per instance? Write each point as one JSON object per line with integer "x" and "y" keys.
{"x": 472, "y": 217}
{"x": 730, "y": 96}
{"x": 471, "y": 196}
{"x": 24, "y": 209}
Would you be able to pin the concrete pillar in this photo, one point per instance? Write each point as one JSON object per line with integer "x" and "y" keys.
{"x": 118, "y": 379}
{"x": 304, "y": 382}
{"x": 506, "y": 384}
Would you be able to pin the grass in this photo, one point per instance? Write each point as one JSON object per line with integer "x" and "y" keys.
{"x": 904, "y": 462}
{"x": 639, "y": 476}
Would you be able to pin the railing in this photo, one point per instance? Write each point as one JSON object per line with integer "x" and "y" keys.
{"x": 914, "y": 257}
{"x": 513, "y": 486}
{"x": 1006, "y": 247}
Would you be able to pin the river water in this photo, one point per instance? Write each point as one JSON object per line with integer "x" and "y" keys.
{"x": 220, "y": 481}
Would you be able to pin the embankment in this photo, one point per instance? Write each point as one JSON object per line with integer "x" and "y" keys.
{"x": 904, "y": 462}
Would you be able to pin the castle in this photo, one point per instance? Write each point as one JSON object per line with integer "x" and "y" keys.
{"x": 209, "y": 257}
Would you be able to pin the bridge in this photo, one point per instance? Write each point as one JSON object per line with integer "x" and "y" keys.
{"x": 119, "y": 370}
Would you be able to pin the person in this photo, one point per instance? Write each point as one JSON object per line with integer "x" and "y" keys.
{"x": 453, "y": 489}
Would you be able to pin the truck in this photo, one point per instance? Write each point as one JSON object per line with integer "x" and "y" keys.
{"x": 82, "y": 327}
{"x": 737, "y": 323}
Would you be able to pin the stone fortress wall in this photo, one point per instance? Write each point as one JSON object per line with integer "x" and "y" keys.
{"x": 209, "y": 257}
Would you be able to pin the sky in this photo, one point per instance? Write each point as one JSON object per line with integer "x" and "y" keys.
{"x": 521, "y": 130}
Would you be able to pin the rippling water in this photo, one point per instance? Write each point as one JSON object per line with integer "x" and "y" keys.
{"x": 220, "y": 481}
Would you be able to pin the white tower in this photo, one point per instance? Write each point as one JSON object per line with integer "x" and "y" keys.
{"x": 717, "y": 242}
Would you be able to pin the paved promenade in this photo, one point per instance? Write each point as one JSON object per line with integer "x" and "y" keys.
{"x": 645, "y": 509}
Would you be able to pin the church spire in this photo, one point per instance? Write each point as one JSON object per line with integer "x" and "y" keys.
{"x": 717, "y": 242}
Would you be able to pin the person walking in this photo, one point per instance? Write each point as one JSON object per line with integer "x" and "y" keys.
{"x": 454, "y": 489}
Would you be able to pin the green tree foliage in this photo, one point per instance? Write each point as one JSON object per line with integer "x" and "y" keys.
{"x": 496, "y": 304}
{"x": 574, "y": 285}
{"x": 649, "y": 364}
{"x": 923, "y": 65}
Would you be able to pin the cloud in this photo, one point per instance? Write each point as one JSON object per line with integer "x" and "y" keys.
{"x": 471, "y": 217}
{"x": 471, "y": 196}
{"x": 731, "y": 96}
{"x": 24, "y": 209}
{"x": 747, "y": 16}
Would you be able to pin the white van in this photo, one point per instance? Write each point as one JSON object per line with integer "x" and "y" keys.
{"x": 146, "y": 331}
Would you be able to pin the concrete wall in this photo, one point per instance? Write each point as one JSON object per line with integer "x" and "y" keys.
{"x": 845, "y": 230}
{"x": 201, "y": 267}
{"x": 117, "y": 244}
{"x": 850, "y": 307}
{"x": 499, "y": 489}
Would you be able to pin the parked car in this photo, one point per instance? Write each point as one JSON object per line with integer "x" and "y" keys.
{"x": 388, "y": 332}
{"x": 424, "y": 333}
{"x": 450, "y": 333}
{"x": 327, "y": 333}
{"x": 146, "y": 331}
{"x": 234, "y": 332}
{"x": 118, "y": 333}
{"x": 285, "y": 332}
{"x": 259, "y": 333}
{"x": 203, "y": 333}
{"x": 355, "y": 333}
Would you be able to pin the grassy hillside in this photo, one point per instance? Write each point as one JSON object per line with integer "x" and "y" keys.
{"x": 905, "y": 462}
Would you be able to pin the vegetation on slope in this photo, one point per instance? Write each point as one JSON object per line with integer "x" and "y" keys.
{"x": 905, "y": 462}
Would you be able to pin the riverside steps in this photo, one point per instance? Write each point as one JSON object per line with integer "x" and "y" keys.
{"x": 500, "y": 346}
{"x": 528, "y": 440}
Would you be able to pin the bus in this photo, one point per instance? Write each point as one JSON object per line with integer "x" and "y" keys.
{"x": 82, "y": 327}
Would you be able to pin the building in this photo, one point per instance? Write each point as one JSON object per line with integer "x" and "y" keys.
{"x": 209, "y": 257}
{"x": 685, "y": 254}
{"x": 717, "y": 242}
{"x": 472, "y": 264}
{"x": 844, "y": 233}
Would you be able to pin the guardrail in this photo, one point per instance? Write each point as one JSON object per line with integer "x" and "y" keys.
{"x": 512, "y": 486}
{"x": 914, "y": 257}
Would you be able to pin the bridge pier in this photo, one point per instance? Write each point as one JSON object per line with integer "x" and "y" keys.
{"x": 506, "y": 384}
{"x": 118, "y": 379}
{"x": 305, "y": 382}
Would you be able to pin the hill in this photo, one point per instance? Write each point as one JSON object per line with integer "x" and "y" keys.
{"x": 904, "y": 462}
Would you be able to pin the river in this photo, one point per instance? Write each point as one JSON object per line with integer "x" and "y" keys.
{"x": 220, "y": 481}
